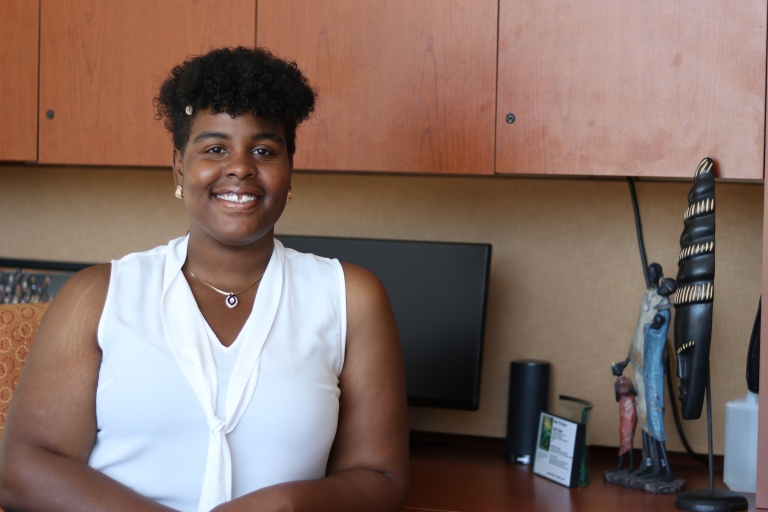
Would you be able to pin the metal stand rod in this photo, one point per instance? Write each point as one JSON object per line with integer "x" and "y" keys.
{"x": 710, "y": 500}
{"x": 709, "y": 437}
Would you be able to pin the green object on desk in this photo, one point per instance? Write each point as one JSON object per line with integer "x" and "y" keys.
{"x": 577, "y": 409}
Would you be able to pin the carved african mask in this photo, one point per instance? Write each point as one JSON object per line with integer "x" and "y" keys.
{"x": 695, "y": 292}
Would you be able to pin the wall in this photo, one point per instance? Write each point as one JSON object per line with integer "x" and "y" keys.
{"x": 565, "y": 282}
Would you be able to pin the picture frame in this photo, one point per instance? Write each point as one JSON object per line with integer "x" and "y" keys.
{"x": 33, "y": 281}
{"x": 559, "y": 449}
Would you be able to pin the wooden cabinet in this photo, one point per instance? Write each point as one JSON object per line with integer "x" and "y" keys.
{"x": 102, "y": 62}
{"x": 595, "y": 88}
{"x": 19, "y": 21}
{"x": 405, "y": 85}
{"x": 631, "y": 88}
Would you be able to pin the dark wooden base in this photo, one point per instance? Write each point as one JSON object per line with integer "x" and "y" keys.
{"x": 702, "y": 500}
{"x": 657, "y": 486}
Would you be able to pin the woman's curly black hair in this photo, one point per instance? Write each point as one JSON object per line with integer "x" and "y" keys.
{"x": 235, "y": 81}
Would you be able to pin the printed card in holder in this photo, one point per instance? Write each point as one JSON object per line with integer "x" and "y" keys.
{"x": 559, "y": 449}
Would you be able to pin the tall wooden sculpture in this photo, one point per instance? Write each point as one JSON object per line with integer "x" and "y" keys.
{"x": 696, "y": 291}
{"x": 693, "y": 327}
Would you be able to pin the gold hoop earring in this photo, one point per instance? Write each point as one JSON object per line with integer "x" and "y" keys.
{"x": 178, "y": 193}
{"x": 289, "y": 197}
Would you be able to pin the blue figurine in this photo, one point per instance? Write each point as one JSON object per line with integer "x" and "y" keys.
{"x": 646, "y": 354}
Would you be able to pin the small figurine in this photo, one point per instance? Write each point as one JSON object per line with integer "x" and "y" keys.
{"x": 627, "y": 398}
{"x": 646, "y": 353}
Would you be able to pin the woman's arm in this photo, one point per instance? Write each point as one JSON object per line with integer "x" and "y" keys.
{"x": 51, "y": 426}
{"x": 368, "y": 467}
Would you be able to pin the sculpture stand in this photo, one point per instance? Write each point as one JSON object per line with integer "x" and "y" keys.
{"x": 634, "y": 480}
{"x": 711, "y": 500}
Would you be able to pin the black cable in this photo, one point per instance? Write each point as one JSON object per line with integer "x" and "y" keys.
{"x": 639, "y": 229}
{"x": 644, "y": 261}
{"x": 709, "y": 436}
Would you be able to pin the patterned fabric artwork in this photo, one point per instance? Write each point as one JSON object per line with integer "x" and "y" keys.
{"x": 18, "y": 327}
{"x": 22, "y": 287}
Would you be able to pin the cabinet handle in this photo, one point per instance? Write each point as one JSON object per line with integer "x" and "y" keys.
{"x": 510, "y": 118}
{"x": 49, "y": 114}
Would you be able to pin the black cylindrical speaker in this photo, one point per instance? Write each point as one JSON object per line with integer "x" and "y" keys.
{"x": 528, "y": 397}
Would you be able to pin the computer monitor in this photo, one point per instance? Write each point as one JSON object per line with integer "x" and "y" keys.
{"x": 438, "y": 293}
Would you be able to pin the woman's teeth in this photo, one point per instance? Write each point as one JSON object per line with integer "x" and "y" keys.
{"x": 237, "y": 198}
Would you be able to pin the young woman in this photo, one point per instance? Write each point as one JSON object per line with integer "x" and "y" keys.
{"x": 221, "y": 371}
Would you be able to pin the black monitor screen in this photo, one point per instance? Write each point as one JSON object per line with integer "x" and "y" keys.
{"x": 438, "y": 293}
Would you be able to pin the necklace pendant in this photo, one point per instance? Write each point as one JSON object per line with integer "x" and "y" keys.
{"x": 231, "y": 301}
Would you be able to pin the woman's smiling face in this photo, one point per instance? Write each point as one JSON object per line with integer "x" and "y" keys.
{"x": 235, "y": 174}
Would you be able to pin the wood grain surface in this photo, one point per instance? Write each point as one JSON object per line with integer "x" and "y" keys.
{"x": 631, "y": 88}
{"x": 102, "y": 62}
{"x": 465, "y": 474}
{"x": 405, "y": 85}
{"x": 19, "y": 23}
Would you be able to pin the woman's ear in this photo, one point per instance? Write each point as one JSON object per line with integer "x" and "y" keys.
{"x": 178, "y": 167}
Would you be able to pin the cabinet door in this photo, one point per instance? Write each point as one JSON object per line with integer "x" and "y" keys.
{"x": 405, "y": 85}
{"x": 19, "y": 22}
{"x": 101, "y": 65}
{"x": 631, "y": 88}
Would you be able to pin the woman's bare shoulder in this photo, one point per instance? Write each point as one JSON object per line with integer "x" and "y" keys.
{"x": 80, "y": 301}
{"x": 362, "y": 284}
{"x": 369, "y": 313}
{"x": 93, "y": 280}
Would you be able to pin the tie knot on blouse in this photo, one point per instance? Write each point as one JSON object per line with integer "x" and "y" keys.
{"x": 216, "y": 424}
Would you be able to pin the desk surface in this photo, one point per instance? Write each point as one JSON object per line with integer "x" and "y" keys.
{"x": 464, "y": 474}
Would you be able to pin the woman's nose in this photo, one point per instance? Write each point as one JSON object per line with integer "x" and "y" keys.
{"x": 241, "y": 165}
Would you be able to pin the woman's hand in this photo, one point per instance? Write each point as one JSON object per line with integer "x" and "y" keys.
{"x": 368, "y": 467}
{"x": 51, "y": 425}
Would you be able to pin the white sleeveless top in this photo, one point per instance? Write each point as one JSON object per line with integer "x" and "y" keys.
{"x": 187, "y": 422}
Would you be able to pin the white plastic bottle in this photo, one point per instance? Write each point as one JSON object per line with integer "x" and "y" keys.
{"x": 740, "y": 464}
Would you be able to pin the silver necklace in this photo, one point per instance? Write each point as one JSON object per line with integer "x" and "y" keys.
{"x": 231, "y": 300}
